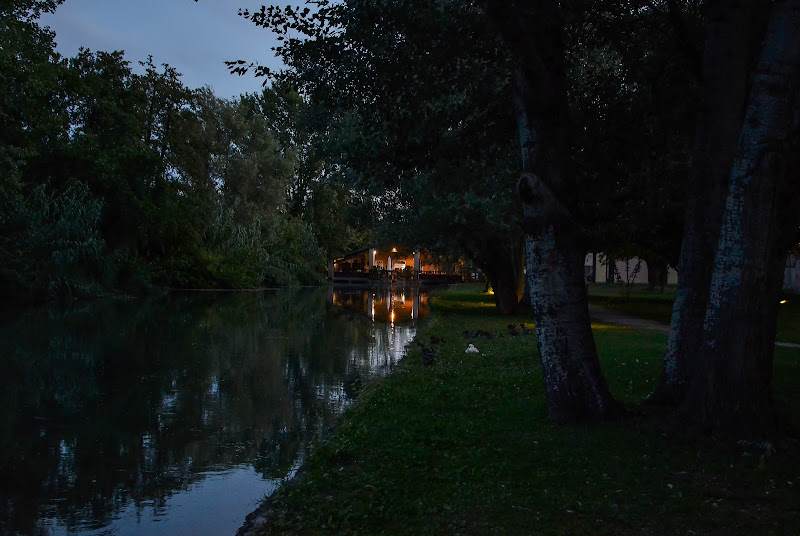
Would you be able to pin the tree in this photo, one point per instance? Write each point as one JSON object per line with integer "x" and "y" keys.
{"x": 730, "y": 389}
{"x": 33, "y": 111}
{"x": 726, "y": 62}
{"x": 575, "y": 387}
{"x": 411, "y": 127}
{"x": 113, "y": 178}
{"x": 239, "y": 162}
{"x": 633, "y": 90}
{"x": 50, "y": 246}
{"x": 165, "y": 97}
{"x": 107, "y": 151}
{"x": 289, "y": 116}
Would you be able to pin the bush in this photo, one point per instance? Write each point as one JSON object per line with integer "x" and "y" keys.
{"x": 50, "y": 245}
{"x": 294, "y": 253}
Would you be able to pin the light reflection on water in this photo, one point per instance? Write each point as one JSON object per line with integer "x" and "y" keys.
{"x": 177, "y": 415}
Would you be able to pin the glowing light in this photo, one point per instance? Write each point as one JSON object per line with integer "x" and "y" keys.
{"x": 783, "y": 301}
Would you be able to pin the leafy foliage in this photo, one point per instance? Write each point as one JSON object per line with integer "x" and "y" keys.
{"x": 176, "y": 187}
{"x": 32, "y": 109}
{"x": 415, "y": 105}
{"x": 634, "y": 89}
{"x": 420, "y": 119}
{"x": 52, "y": 243}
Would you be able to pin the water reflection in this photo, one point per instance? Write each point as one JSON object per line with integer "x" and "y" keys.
{"x": 389, "y": 305}
{"x": 176, "y": 415}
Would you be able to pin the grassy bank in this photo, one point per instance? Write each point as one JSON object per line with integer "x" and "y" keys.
{"x": 463, "y": 447}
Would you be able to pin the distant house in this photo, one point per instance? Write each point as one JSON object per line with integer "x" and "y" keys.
{"x": 389, "y": 263}
{"x": 598, "y": 269}
{"x": 791, "y": 274}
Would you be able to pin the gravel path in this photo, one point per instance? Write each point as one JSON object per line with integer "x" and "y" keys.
{"x": 609, "y": 316}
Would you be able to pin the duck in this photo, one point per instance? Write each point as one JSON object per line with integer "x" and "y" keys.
{"x": 428, "y": 355}
{"x": 471, "y": 350}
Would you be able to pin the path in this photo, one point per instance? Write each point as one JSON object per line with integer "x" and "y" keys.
{"x": 610, "y": 316}
{"x": 604, "y": 315}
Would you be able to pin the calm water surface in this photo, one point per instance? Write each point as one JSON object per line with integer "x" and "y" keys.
{"x": 176, "y": 415}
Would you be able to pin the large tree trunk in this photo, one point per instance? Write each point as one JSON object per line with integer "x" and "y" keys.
{"x": 504, "y": 286}
{"x": 730, "y": 391}
{"x": 726, "y": 63}
{"x": 504, "y": 271}
{"x": 575, "y": 387}
{"x": 656, "y": 272}
{"x": 501, "y": 261}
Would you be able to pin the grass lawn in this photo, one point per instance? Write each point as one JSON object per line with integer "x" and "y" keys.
{"x": 658, "y": 306}
{"x": 464, "y": 447}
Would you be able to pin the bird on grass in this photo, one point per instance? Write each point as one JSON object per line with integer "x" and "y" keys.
{"x": 428, "y": 355}
{"x": 471, "y": 350}
{"x": 479, "y": 333}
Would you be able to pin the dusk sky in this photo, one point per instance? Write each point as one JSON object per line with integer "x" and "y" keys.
{"x": 195, "y": 38}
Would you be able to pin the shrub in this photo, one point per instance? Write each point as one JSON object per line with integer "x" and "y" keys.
{"x": 50, "y": 245}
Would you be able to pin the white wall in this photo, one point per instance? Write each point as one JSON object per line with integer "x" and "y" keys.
{"x": 791, "y": 274}
{"x": 639, "y": 278}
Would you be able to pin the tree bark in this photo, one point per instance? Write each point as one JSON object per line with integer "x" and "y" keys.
{"x": 656, "y": 273}
{"x": 503, "y": 273}
{"x": 502, "y": 262}
{"x": 575, "y": 387}
{"x": 726, "y": 64}
{"x": 730, "y": 392}
{"x": 574, "y": 384}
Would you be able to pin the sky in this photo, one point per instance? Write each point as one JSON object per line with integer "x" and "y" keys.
{"x": 195, "y": 38}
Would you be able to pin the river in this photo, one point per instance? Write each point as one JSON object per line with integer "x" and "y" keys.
{"x": 176, "y": 415}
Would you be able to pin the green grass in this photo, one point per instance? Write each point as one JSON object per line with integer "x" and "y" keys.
{"x": 464, "y": 447}
{"x": 789, "y": 320}
{"x": 658, "y": 306}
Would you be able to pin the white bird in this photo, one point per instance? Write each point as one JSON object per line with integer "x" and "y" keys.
{"x": 471, "y": 350}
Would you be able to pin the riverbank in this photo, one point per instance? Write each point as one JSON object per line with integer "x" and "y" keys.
{"x": 463, "y": 446}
